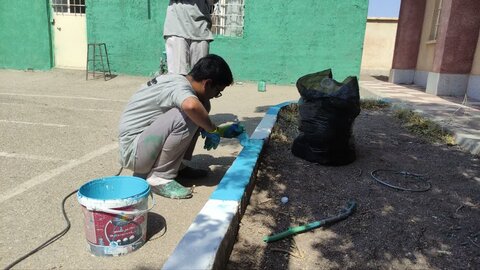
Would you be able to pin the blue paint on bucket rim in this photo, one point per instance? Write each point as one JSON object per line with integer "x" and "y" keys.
{"x": 118, "y": 201}
{"x": 115, "y": 188}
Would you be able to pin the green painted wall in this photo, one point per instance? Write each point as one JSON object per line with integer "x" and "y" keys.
{"x": 287, "y": 39}
{"x": 132, "y": 30}
{"x": 282, "y": 40}
{"x": 25, "y": 41}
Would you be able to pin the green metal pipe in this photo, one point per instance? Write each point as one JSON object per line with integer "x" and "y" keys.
{"x": 343, "y": 214}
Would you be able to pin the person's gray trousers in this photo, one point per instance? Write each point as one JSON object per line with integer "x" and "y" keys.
{"x": 165, "y": 143}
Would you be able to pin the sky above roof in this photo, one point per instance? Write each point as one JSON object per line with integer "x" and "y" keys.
{"x": 383, "y": 8}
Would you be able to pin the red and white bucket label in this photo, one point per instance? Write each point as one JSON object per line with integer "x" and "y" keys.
{"x": 123, "y": 232}
{"x": 103, "y": 228}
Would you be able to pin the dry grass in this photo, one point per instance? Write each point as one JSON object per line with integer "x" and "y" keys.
{"x": 290, "y": 115}
{"x": 423, "y": 127}
{"x": 415, "y": 123}
{"x": 373, "y": 104}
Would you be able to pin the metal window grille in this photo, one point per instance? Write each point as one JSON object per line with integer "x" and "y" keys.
{"x": 435, "y": 20}
{"x": 227, "y": 18}
{"x": 76, "y": 7}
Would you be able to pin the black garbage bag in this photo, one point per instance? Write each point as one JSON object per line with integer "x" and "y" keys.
{"x": 327, "y": 111}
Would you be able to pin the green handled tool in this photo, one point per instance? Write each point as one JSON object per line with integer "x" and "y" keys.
{"x": 343, "y": 214}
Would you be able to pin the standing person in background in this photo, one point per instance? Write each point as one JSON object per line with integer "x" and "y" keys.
{"x": 187, "y": 33}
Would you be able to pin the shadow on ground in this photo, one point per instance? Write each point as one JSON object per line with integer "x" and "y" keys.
{"x": 156, "y": 226}
{"x": 389, "y": 230}
{"x": 381, "y": 78}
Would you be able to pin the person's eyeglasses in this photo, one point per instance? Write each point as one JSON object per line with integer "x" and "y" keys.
{"x": 217, "y": 90}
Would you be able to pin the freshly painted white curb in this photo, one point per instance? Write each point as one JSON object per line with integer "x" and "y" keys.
{"x": 209, "y": 240}
{"x": 199, "y": 247}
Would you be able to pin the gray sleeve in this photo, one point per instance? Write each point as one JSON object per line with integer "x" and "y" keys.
{"x": 181, "y": 94}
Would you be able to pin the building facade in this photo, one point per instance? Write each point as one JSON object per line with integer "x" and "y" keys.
{"x": 261, "y": 40}
{"x": 437, "y": 46}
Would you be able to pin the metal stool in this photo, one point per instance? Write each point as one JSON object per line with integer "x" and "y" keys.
{"x": 95, "y": 52}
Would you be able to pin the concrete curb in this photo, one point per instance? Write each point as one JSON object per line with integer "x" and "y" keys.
{"x": 209, "y": 240}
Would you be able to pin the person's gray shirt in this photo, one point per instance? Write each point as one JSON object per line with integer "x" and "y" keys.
{"x": 189, "y": 19}
{"x": 145, "y": 106}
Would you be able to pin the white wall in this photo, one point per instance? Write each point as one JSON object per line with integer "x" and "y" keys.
{"x": 378, "y": 45}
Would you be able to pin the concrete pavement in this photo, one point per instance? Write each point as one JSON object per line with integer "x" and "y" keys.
{"x": 58, "y": 132}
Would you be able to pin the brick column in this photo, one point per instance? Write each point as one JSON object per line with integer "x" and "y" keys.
{"x": 455, "y": 47}
{"x": 409, "y": 32}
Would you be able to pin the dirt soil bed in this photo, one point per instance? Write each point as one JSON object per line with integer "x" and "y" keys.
{"x": 390, "y": 229}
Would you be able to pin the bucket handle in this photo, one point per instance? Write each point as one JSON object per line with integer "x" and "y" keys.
{"x": 123, "y": 212}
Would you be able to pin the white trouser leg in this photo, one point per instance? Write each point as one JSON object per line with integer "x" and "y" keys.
{"x": 198, "y": 49}
{"x": 178, "y": 55}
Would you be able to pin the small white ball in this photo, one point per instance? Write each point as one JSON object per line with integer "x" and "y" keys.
{"x": 284, "y": 200}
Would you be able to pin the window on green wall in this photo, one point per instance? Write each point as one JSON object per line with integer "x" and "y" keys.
{"x": 227, "y": 18}
{"x": 69, "y": 6}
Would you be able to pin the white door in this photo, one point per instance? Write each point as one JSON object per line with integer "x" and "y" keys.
{"x": 69, "y": 33}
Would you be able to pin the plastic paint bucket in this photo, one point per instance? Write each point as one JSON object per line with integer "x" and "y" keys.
{"x": 115, "y": 213}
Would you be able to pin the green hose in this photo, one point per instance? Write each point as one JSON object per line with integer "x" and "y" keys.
{"x": 343, "y": 214}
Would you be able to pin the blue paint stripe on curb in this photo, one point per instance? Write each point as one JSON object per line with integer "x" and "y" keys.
{"x": 233, "y": 184}
{"x": 196, "y": 250}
